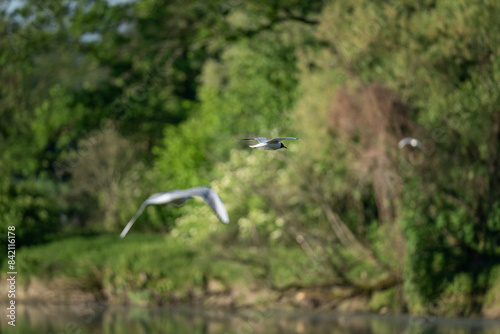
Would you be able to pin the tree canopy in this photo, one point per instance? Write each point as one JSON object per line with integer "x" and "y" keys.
{"x": 104, "y": 104}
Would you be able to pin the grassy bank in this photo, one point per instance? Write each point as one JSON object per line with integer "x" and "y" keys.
{"x": 152, "y": 269}
{"x": 155, "y": 269}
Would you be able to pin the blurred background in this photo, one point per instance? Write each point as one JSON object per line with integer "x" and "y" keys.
{"x": 104, "y": 103}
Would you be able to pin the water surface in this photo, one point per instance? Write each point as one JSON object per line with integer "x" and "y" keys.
{"x": 99, "y": 318}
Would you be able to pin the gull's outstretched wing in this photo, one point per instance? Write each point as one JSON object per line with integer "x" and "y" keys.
{"x": 275, "y": 140}
{"x": 259, "y": 139}
{"x": 160, "y": 198}
{"x": 131, "y": 222}
{"x": 179, "y": 196}
{"x": 403, "y": 142}
{"x": 210, "y": 197}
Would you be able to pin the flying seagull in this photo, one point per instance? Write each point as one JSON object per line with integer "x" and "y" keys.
{"x": 179, "y": 197}
{"x": 268, "y": 144}
{"x": 410, "y": 141}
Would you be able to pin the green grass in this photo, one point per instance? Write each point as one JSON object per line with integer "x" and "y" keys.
{"x": 142, "y": 265}
{"x": 137, "y": 261}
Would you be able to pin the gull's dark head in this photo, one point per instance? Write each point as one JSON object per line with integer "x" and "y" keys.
{"x": 282, "y": 145}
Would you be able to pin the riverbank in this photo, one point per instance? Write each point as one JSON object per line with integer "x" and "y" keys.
{"x": 64, "y": 291}
{"x": 321, "y": 298}
{"x": 152, "y": 270}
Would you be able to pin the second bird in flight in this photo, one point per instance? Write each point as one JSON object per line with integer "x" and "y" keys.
{"x": 268, "y": 144}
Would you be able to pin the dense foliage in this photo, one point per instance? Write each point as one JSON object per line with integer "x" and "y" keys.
{"x": 104, "y": 104}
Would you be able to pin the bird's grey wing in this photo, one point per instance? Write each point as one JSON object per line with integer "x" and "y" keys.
{"x": 213, "y": 200}
{"x": 177, "y": 196}
{"x": 405, "y": 141}
{"x": 259, "y": 139}
{"x": 131, "y": 222}
{"x": 275, "y": 140}
{"x": 159, "y": 198}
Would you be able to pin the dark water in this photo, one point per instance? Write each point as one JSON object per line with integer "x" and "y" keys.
{"x": 99, "y": 318}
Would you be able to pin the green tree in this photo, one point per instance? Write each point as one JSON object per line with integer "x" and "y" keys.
{"x": 441, "y": 69}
